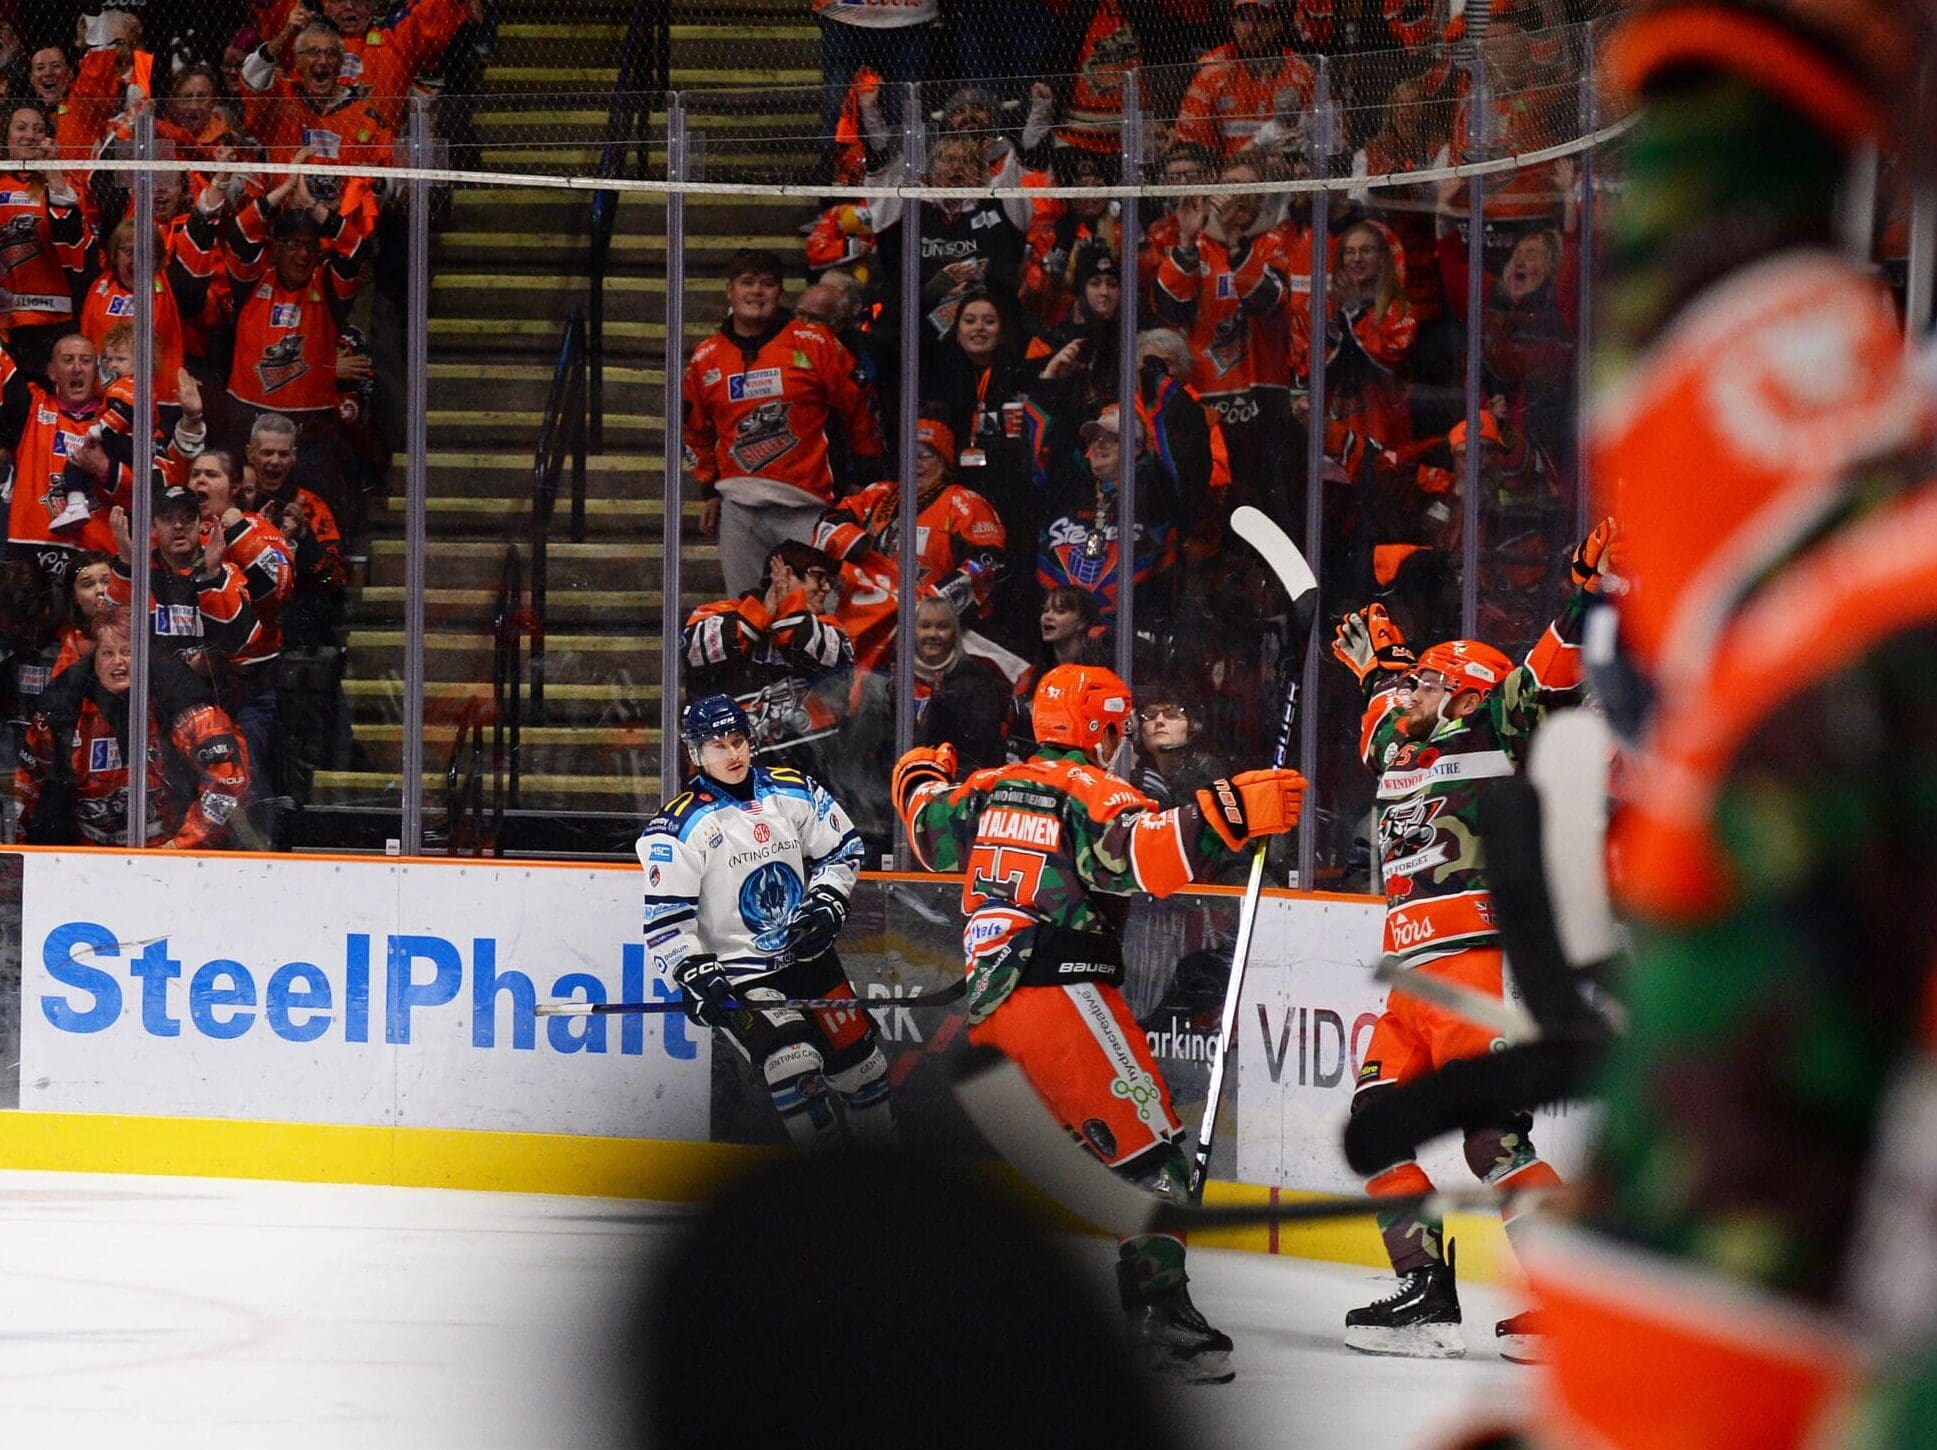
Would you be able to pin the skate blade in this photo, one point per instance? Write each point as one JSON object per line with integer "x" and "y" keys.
{"x": 1162, "y": 1362}
{"x": 1415, "y": 1341}
{"x": 1523, "y": 1349}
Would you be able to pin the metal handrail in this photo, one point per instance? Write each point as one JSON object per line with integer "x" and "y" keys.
{"x": 510, "y": 623}
{"x": 645, "y": 65}
{"x": 562, "y": 432}
{"x": 464, "y": 789}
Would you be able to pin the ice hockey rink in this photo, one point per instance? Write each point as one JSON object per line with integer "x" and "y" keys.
{"x": 160, "y": 1312}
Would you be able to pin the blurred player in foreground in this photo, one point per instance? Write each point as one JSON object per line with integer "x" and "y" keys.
{"x": 748, "y": 872}
{"x": 1053, "y": 847}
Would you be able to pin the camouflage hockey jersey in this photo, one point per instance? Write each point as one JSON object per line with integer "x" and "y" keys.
{"x": 1429, "y": 790}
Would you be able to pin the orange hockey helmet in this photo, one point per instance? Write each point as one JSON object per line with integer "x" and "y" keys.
{"x": 1467, "y": 664}
{"x": 1075, "y": 704}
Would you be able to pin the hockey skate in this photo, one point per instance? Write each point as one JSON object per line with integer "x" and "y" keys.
{"x": 1420, "y": 1319}
{"x": 1523, "y": 1337}
{"x": 1169, "y": 1338}
{"x": 75, "y": 514}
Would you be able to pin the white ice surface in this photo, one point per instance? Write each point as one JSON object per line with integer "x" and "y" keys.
{"x": 162, "y": 1312}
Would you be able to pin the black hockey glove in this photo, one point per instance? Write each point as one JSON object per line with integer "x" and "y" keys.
{"x": 707, "y": 987}
{"x": 817, "y": 921}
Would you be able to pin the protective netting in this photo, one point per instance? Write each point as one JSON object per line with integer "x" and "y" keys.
{"x": 515, "y": 592}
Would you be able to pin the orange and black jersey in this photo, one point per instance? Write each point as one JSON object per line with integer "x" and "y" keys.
{"x": 43, "y": 432}
{"x": 45, "y": 241}
{"x": 285, "y": 337}
{"x": 190, "y": 252}
{"x": 317, "y": 554}
{"x": 72, "y": 778}
{"x": 195, "y": 609}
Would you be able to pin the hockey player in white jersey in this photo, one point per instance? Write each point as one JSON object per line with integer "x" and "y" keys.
{"x": 748, "y": 872}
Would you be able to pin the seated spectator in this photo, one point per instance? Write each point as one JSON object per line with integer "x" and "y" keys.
{"x": 960, "y": 698}
{"x": 758, "y": 397}
{"x": 1245, "y": 83}
{"x": 201, "y": 609}
{"x": 969, "y": 246}
{"x": 778, "y": 652}
{"x": 292, "y": 294}
{"x": 385, "y": 60}
{"x": 48, "y": 261}
{"x": 1069, "y": 631}
{"x": 314, "y": 606}
{"x": 1173, "y": 763}
{"x": 959, "y": 546}
{"x": 1081, "y": 544}
{"x": 44, "y": 427}
{"x": 1087, "y": 376}
{"x": 252, "y": 545}
{"x": 72, "y": 783}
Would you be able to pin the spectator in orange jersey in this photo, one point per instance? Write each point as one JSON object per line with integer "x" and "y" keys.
{"x": 292, "y": 295}
{"x": 309, "y": 110}
{"x": 114, "y": 74}
{"x": 1183, "y": 165}
{"x": 387, "y": 59}
{"x": 186, "y": 259}
{"x": 1370, "y": 338}
{"x": 88, "y": 592}
{"x": 46, "y": 424}
{"x": 197, "y": 126}
{"x": 779, "y": 651}
{"x": 249, "y": 543}
{"x": 1224, "y": 285}
{"x": 958, "y": 550}
{"x": 45, "y": 238}
{"x": 49, "y": 75}
{"x": 200, "y": 609}
{"x": 72, "y": 783}
{"x": 759, "y": 394}
{"x": 1244, "y": 84}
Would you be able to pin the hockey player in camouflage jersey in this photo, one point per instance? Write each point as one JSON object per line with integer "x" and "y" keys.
{"x": 1437, "y": 728}
{"x": 1052, "y": 849}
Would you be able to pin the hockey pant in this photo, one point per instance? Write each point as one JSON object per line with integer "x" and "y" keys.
{"x": 1091, "y": 1065}
{"x": 811, "y": 1056}
{"x": 1414, "y": 1038}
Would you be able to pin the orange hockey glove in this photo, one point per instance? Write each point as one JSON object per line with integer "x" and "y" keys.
{"x": 1596, "y": 558}
{"x": 1253, "y": 804}
{"x": 1369, "y": 644}
{"x": 919, "y": 765}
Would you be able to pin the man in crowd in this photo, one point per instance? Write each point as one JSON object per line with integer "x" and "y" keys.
{"x": 759, "y": 394}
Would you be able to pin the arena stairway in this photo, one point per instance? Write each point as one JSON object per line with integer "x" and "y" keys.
{"x": 507, "y": 266}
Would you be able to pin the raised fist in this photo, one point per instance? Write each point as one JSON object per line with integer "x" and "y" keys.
{"x": 1369, "y": 644}
{"x": 1252, "y": 804}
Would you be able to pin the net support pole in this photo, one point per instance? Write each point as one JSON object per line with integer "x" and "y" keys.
{"x": 671, "y": 616}
{"x": 1126, "y": 388}
{"x": 141, "y": 512}
{"x": 1324, "y": 117}
{"x": 1856, "y": 205}
{"x": 417, "y": 483}
{"x": 907, "y": 561}
{"x": 1922, "y": 265}
{"x": 1469, "y": 582}
{"x": 1584, "y": 240}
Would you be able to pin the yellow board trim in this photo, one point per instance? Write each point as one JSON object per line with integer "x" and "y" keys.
{"x": 565, "y": 1164}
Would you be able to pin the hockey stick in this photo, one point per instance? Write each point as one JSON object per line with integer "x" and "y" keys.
{"x": 942, "y": 998}
{"x": 1005, "y": 1109}
{"x": 1301, "y": 586}
{"x": 1508, "y": 1019}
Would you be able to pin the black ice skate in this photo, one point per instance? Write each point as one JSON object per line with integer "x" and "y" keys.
{"x": 1170, "y": 1340}
{"x": 1419, "y": 1319}
{"x": 1523, "y": 1338}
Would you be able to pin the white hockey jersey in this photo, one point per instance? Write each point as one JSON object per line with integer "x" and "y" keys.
{"x": 724, "y": 875}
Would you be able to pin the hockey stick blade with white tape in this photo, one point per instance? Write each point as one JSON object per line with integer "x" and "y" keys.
{"x": 1005, "y": 1109}
{"x": 1295, "y": 576}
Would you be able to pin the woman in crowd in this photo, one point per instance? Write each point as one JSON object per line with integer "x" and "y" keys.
{"x": 961, "y": 699}
{"x": 1070, "y": 632}
{"x": 49, "y": 238}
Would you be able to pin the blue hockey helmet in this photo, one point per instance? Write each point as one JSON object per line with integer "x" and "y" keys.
{"x": 710, "y": 718}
